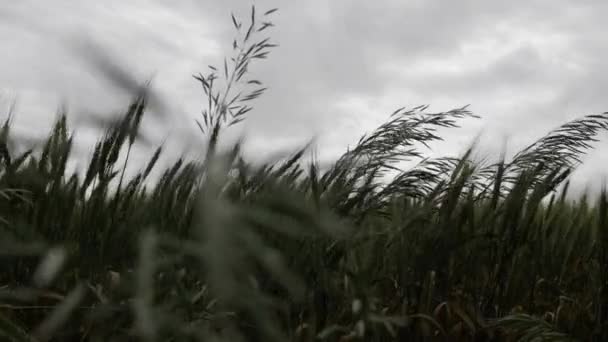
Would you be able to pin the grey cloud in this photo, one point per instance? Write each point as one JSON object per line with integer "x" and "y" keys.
{"x": 329, "y": 52}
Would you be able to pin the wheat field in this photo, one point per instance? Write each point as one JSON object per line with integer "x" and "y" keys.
{"x": 217, "y": 249}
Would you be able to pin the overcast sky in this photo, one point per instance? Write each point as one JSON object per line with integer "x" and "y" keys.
{"x": 342, "y": 66}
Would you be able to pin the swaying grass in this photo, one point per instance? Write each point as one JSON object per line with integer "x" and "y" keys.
{"x": 220, "y": 250}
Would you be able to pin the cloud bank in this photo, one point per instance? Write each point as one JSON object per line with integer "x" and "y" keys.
{"x": 341, "y": 68}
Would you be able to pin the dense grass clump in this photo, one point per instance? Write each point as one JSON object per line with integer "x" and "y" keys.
{"x": 217, "y": 249}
